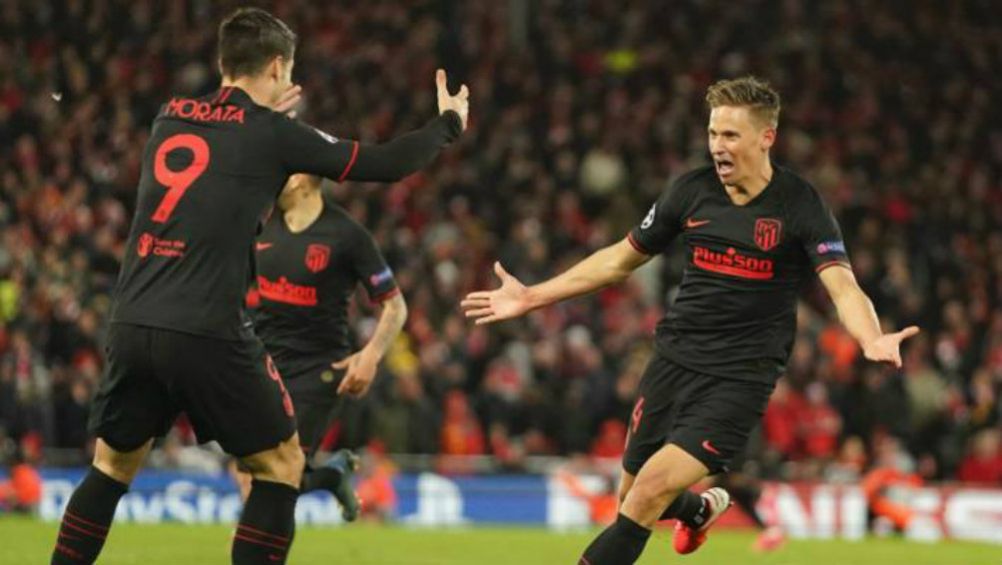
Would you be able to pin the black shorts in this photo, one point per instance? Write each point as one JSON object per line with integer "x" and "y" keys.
{"x": 230, "y": 390}
{"x": 709, "y": 417}
{"x": 312, "y": 384}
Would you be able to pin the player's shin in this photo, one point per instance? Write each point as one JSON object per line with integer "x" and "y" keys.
{"x": 335, "y": 476}
{"x": 619, "y": 544}
{"x": 87, "y": 519}
{"x": 267, "y": 525}
{"x": 689, "y": 508}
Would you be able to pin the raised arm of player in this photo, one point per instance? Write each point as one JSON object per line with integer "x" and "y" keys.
{"x": 512, "y": 299}
{"x": 305, "y": 149}
{"x": 360, "y": 367}
{"x": 857, "y": 314}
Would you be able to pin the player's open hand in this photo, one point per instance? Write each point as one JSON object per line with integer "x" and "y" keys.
{"x": 360, "y": 370}
{"x": 511, "y": 300}
{"x": 459, "y": 103}
{"x": 288, "y": 101}
{"x": 887, "y": 348}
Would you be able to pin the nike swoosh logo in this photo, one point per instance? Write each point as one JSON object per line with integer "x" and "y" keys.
{"x": 262, "y": 246}
{"x": 690, "y": 223}
{"x": 707, "y": 446}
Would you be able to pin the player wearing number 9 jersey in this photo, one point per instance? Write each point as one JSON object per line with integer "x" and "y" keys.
{"x": 178, "y": 339}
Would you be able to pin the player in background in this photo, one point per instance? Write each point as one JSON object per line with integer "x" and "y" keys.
{"x": 311, "y": 256}
{"x": 178, "y": 340}
{"x": 753, "y": 231}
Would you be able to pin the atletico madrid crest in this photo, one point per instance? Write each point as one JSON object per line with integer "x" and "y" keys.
{"x": 767, "y": 232}
{"x": 317, "y": 257}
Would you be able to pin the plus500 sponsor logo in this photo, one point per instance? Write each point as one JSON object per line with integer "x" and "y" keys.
{"x": 732, "y": 263}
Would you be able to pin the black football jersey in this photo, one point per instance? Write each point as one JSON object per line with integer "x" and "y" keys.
{"x": 735, "y": 312}
{"x": 211, "y": 168}
{"x": 305, "y": 280}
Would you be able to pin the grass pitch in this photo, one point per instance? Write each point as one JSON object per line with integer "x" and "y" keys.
{"x": 27, "y": 542}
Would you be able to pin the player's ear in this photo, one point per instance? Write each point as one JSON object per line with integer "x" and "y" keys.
{"x": 275, "y": 68}
{"x": 768, "y": 138}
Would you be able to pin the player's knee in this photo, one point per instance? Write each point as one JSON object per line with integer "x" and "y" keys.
{"x": 624, "y": 489}
{"x": 647, "y": 491}
{"x": 119, "y": 465}
{"x": 289, "y": 463}
{"x": 122, "y": 473}
{"x": 283, "y": 464}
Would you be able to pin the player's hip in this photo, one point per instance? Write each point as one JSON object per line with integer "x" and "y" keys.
{"x": 293, "y": 364}
{"x": 228, "y": 388}
{"x": 668, "y": 385}
{"x": 708, "y": 416}
{"x": 761, "y": 361}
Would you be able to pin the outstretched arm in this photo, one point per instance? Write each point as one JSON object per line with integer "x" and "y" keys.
{"x": 858, "y": 316}
{"x": 606, "y": 266}
{"x": 305, "y": 149}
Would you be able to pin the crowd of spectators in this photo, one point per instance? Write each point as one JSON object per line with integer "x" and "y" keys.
{"x": 582, "y": 113}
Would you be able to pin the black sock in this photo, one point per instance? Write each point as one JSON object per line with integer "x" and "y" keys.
{"x": 87, "y": 519}
{"x": 746, "y": 498}
{"x": 315, "y": 479}
{"x": 689, "y": 508}
{"x": 620, "y": 544}
{"x": 266, "y": 526}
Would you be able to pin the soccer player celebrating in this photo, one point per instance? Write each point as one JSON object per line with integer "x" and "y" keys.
{"x": 178, "y": 341}
{"x": 310, "y": 257}
{"x": 752, "y": 230}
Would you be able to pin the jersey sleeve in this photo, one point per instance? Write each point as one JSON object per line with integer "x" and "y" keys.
{"x": 663, "y": 221}
{"x": 370, "y": 267}
{"x": 308, "y": 150}
{"x": 305, "y": 149}
{"x": 821, "y": 236}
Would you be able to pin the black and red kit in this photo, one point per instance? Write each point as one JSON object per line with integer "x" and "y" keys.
{"x": 305, "y": 281}
{"x": 728, "y": 334}
{"x": 180, "y": 340}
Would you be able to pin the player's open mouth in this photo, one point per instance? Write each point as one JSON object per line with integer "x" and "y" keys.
{"x": 724, "y": 167}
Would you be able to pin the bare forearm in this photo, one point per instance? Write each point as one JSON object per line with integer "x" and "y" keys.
{"x": 391, "y": 322}
{"x": 605, "y": 267}
{"x": 858, "y": 316}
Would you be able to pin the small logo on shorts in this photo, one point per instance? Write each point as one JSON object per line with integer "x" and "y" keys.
{"x": 327, "y": 376}
{"x": 709, "y": 447}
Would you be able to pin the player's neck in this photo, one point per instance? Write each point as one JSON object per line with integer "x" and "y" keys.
{"x": 304, "y": 211}
{"x": 259, "y": 92}
{"x": 748, "y": 190}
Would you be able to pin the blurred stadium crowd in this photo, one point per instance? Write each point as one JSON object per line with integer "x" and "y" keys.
{"x": 582, "y": 113}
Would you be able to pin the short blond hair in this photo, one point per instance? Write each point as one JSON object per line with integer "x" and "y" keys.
{"x": 749, "y": 92}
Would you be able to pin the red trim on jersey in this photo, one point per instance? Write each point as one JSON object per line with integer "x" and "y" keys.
{"x": 228, "y": 90}
{"x": 380, "y": 298}
{"x": 351, "y": 163}
{"x": 824, "y": 266}
{"x": 636, "y": 245}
